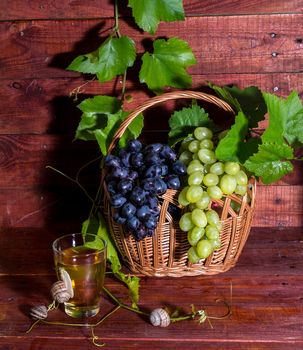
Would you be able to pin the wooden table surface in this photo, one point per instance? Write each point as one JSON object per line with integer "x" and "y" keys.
{"x": 266, "y": 300}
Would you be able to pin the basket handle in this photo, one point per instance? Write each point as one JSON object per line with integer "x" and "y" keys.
{"x": 166, "y": 97}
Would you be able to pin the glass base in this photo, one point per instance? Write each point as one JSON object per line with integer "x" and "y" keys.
{"x": 81, "y": 312}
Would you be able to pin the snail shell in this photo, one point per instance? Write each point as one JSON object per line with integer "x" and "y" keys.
{"x": 159, "y": 317}
{"x": 59, "y": 292}
{"x": 38, "y": 312}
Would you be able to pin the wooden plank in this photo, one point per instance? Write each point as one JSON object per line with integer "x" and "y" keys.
{"x": 240, "y": 44}
{"x": 44, "y": 105}
{"x": 265, "y": 309}
{"x": 33, "y": 9}
{"x": 277, "y": 206}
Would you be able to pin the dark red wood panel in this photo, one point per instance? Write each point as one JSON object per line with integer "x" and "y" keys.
{"x": 43, "y": 105}
{"x": 264, "y": 290}
{"x": 33, "y": 9}
{"x": 238, "y": 44}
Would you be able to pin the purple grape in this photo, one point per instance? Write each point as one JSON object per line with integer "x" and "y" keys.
{"x": 128, "y": 210}
{"x": 151, "y": 222}
{"x": 119, "y": 173}
{"x": 152, "y": 158}
{"x": 112, "y": 161}
{"x": 117, "y": 200}
{"x": 168, "y": 153}
{"x": 153, "y": 148}
{"x": 124, "y": 157}
{"x": 112, "y": 187}
{"x": 138, "y": 196}
{"x": 173, "y": 182}
{"x": 133, "y": 223}
{"x": 143, "y": 212}
{"x": 160, "y": 186}
{"x": 153, "y": 171}
{"x": 119, "y": 219}
{"x": 140, "y": 233}
{"x": 134, "y": 146}
{"x": 179, "y": 168}
{"x": 137, "y": 160}
{"x": 133, "y": 175}
{"x": 125, "y": 186}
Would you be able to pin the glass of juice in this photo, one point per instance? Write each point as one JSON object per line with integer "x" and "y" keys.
{"x": 80, "y": 262}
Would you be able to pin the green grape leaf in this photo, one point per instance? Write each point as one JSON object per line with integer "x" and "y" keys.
{"x": 271, "y": 162}
{"x": 248, "y": 148}
{"x": 133, "y": 284}
{"x": 249, "y": 100}
{"x": 285, "y": 119}
{"x": 112, "y": 58}
{"x": 133, "y": 131}
{"x": 166, "y": 66}
{"x": 149, "y": 13}
{"x": 184, "y": 122}
{"x": 229, "y": 146}
{"x": 252, "y": 103}
{"x": 98, "y": 227}
{"x": 102, "y": 116}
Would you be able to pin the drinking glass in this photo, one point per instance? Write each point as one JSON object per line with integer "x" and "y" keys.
{"x": 80, "y": 262}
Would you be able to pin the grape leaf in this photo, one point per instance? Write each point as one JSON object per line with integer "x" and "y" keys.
{"x": 98, "y": 227}
{"x": 185, "y": 121}
{"x": 133, "y": 131}
{"x": 149, "y": 13}
{"x": 166, "y": 66}
{"x": 285, "y": 119}
{"x": 112, "y": 58}
{"x": 229, "y": 146}
{"x": 102, "y": 116}
{"x": 271, "y": 162}
{"x": 249, "y": 100}
{"x": 133, "y": 284}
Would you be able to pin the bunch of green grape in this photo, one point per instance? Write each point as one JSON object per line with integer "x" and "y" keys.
{"x": 207, "y": 179}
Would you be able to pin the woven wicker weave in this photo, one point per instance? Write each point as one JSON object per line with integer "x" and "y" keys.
{"x": 165, "y": 253}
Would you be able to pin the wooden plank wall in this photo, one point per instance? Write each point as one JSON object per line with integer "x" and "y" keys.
{"x": 236, "y": 42}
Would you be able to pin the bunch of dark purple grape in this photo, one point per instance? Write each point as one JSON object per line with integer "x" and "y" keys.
{"x": 135, "y": 178}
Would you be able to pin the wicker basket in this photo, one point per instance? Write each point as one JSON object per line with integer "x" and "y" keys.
{"x": 165, "y": 253}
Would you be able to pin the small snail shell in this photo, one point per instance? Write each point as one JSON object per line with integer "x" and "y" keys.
{"x": 59, "y": 292}
{"x": 159, "y": 317}
{"x": 38, "y": 312}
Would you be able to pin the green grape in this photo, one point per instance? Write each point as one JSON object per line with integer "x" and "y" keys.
{"x": 186, "y": 142}
{"x": 210, "y": 179}
{"x": 185, "y": 157}
{"x": 194, "y": 235}
{"x": 194, "y": 193}
{"x": 212, "y": 232}
{"x": 214, "y": 192}
{"x": 202, "y": 133}
{"x": 241, "y": 178}
{"x": 194, "y": 146}
{"x": 228, "y": 184}
{"x": 212, "y": 217}
{"x": 216, "y": 243}
{"x": 204, "y": 248}
{"x": 217, "y": 168}
{"x": 192, "y": 255}
{"x": 182, "y": 197}
{"x": 206, "y": 144}
{"x": 203, "y": 202}
{"x": 194, "y": 166}
{"x": 195, "y": 178}
{"x": 198, "y": 217}
{"x": 231, "y": 168}
{"x": 241, "y": 190}
{"x": 207, "y": 156}
{"x": 185, "y": 222}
